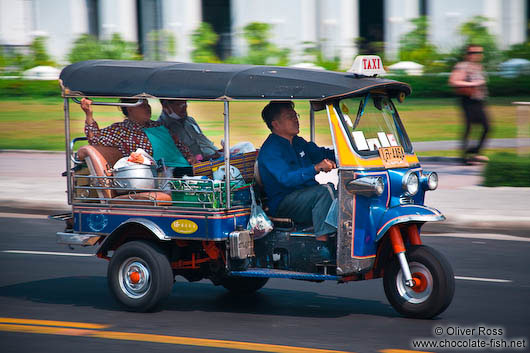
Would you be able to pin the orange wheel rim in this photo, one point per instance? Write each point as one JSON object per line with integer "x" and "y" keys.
{"x": 420, "y": 282}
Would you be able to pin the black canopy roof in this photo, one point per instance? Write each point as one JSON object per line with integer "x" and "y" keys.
{"x": 112, "y": 78}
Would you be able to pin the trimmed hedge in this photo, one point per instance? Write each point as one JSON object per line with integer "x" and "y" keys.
{"x": 11, "y": 88}
{"x": 435, "y": 86}
{"x": 507, "y": 169}
{"x": 428, "y": 86}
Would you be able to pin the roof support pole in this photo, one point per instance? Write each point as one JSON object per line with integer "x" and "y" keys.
{"x": 311, "y": 123}
{"x": 227, "y": 153}
{"x": 68, "y": 150}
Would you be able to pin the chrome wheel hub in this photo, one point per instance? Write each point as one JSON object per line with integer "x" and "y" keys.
{"x": 408, "y": 293}
{"x": 134, "y": 278}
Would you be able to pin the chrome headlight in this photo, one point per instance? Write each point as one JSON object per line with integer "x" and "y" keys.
{"x": 410, "y": 183}
{"x": 429, "y": 180}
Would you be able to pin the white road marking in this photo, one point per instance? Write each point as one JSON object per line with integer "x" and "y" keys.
{"x": 483, "y": 279}
{"x": 22, "y": 215}
{"x": 478, "y": 236}
{"x": 45, "y": 253}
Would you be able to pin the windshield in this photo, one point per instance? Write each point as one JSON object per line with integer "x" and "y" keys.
{"x": 372, "y": 122}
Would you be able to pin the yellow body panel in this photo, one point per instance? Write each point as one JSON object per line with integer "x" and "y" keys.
{"x": 345, "y": 152}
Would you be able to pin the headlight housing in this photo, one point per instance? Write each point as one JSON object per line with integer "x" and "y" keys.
{"x": 367, "y": 186}
{"x": 429, "y": 180}
{"x": 410, "y": 183}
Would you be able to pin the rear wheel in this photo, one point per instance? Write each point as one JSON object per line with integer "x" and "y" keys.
{"x": 435, "y": 283}
{"x": 140, "y": 275}
{"x": 244, "y": 285}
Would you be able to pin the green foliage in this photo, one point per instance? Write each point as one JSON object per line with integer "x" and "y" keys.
{"x": 521, "y": 51}
{"x": 314, "y": 50}
{"x": 38, "y": 54}
{"x": 204, "y": 40}
{"x": 415, "y": 45}
{"x": 507, "y": 169}
{"x": 29, "y": 88}
{"x": 161, "y": 45}
{"x": 475, "y": 32}
{"x": 436, "y": 85}
{"x": 260, "y": 50}
{"x": 87, "y": 47}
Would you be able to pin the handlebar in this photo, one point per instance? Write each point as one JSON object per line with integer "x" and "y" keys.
{"x": 117, "y": 104}
{"x": 72, "y": 143}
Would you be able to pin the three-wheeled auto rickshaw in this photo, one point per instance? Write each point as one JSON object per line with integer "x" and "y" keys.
{"x": 152, "y": 231}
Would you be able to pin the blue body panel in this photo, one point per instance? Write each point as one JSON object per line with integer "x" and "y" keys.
{"x": 373, "y": 216}
{"x": 209, "y": 225}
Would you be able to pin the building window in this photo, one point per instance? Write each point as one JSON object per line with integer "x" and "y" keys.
{"x": 217, "y": 14}
{"x": 149, "y": 14}
{"x": 93, "y": 17}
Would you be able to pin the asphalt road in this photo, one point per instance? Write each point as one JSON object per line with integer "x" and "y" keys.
{"x": 283, "y": 317}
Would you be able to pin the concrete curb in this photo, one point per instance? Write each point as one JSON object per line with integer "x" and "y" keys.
{"x": 31, "y": 151}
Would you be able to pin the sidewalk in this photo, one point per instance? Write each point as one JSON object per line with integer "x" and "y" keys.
{"x": 32, "y": 183}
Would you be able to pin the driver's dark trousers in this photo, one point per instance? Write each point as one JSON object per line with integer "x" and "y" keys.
{"x": 309, "y": 206}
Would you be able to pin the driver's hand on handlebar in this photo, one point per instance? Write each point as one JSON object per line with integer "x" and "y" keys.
{"x": 325, "y": 165}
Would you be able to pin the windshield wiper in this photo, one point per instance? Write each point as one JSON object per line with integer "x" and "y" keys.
{"x": 360, "y": 112}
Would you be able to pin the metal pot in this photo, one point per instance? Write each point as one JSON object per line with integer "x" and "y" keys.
{"x": 138, "y": 176}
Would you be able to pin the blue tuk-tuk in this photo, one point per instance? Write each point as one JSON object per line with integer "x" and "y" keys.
{"x": 158, "y": 228}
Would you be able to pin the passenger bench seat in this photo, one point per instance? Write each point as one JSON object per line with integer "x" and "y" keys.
{"x": 99, "y": 160}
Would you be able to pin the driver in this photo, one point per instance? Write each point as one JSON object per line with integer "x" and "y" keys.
{"x": 288, "y": 165}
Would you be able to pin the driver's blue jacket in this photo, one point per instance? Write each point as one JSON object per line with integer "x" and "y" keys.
{"x": 286, "y": 167}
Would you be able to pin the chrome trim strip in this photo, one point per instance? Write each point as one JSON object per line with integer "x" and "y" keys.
{"x": 77, "y": 239}
{"x": 408, "y": 218}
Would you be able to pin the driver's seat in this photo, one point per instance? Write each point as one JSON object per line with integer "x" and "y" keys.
{"x": 260, "y": 194}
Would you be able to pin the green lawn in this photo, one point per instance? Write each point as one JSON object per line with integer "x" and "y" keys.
{"x": 39, "y": 124}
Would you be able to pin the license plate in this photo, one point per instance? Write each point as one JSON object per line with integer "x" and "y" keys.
{"x": 393, "y": 157}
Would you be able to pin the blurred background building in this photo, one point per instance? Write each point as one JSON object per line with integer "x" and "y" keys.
{"x": 339, "y": 28}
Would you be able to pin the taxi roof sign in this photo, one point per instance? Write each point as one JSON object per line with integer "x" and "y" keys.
{"x": 367, "y": 65}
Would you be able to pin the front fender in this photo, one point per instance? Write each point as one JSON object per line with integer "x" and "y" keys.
{"x": 407, "y": 213}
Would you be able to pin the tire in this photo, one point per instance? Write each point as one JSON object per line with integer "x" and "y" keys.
{"x": 435, "y": 291}
{"x": 243, "y": 285}
{"x": 140, "y": 275}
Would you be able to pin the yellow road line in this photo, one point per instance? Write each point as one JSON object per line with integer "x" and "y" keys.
{"x": 142, "y": 337}
{"x": 8, "y": 320}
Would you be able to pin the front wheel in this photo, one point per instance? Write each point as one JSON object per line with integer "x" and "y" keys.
{"x": 243, "y": 285}
{"x": 140, "y": 275}
{"x": 435, "y": 283}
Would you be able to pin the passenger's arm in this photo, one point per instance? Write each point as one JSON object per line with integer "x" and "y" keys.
{"x": 186, "y": 152}
{"x": 109, "y": 136}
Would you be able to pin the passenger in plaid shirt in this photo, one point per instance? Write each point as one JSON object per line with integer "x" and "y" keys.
{"x": 127, "y": 135}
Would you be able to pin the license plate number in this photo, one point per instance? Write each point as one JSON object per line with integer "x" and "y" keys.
{"x": 393, "y": 157}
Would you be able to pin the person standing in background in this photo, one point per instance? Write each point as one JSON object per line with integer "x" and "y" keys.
{"x": 469, "y": 80}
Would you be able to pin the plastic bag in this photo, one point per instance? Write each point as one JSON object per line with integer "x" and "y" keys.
{"x": 235, "y": 175}
{"x": 137, "y": 157}
{"x": 258, "y": 223}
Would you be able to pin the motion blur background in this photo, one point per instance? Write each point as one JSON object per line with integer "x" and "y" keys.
{"x": 326, "y": 33}
{"x": 419, "y": 40}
